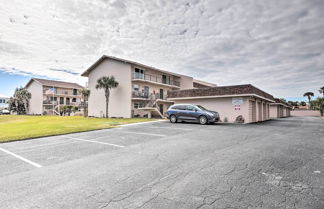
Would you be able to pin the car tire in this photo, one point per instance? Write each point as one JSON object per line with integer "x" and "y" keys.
{"x": 203, "y": 120}
{"x": 173, "y": 119}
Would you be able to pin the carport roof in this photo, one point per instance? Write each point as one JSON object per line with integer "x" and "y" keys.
{"x": 221, "y": 91}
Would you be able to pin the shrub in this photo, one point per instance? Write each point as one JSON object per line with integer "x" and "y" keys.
{"x": 239, "y": 119}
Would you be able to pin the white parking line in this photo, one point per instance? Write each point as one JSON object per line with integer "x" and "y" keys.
{"x": 141, "y": 133}
{"x": 21, "y": 158}
{"x": 97, "y": 142}
{"x": 133, "y": 124}
{"x": 184, "y": 129}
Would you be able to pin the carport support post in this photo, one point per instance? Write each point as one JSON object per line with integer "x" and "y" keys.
{"x": 149, "y": 114}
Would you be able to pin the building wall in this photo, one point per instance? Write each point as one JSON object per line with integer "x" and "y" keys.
{"x": 223, "y": 106}
{"x": 4, "y": 103}
{"x": 120, "y": 97}
{"x": 305, "y": 113}
{"x": 36, "y": 101}
{"x": 186, "y": 82}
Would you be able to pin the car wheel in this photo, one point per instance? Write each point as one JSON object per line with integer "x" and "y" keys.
{"x": 203, "y": 120}
{"x": 173, "y": 119}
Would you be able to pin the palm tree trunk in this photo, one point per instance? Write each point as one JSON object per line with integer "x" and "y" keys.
{"x": 107, "y": 101}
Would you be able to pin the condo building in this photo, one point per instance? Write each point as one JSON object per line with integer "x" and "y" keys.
{"x": 145, "y": 91}
{"x": 48, "y": 96}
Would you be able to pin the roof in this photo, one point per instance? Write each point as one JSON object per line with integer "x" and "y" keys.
{"x": 104, "y": 57}
{"x": 3, "y": 96}
{"x": 246, "y": 89}
{"x": 61, "y": 84}
{"x": 279, "y": 101}
{"x": 203, "y": 84}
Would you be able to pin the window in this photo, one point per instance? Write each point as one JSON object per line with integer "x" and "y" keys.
{"x": 74, "y": 100}
{"x": 136, "y": 87}
{"x": 2, "y": 101}
{"x": 75, "y": 91}
{"x": 179, "y": 107}
{"x": 138, "y": 105}
{"x": 53, "y": 98}
{"x": 190, "y": 108}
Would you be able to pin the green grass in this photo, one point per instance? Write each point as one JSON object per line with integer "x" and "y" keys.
{"x": 18, "y": 127}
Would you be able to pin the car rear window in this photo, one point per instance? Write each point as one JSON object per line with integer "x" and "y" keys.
{"x": 179, "y": 107}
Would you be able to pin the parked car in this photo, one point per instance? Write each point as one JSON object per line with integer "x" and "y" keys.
{"x": 190, "y": 112}
{"x": 5, "y": 112}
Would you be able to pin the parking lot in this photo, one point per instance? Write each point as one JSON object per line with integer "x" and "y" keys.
{"x": 275, "y": 164}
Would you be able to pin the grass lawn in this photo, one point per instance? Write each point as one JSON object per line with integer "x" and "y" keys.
{"x": 18, "y": 127}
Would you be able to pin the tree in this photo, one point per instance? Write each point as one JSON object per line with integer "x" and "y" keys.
{"x": 309, "y": 95}
{"x": 85, "y": 93}
{"x": 107, "y": 83}
{"x": 302, "y": 103}
{"x": 321, "y": 90}
{"x": 19, "y": 103}
{"x": 318, "y": 104}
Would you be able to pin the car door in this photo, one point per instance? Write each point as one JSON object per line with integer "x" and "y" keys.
{"x": 181, "y": 112}
{"x": 191, "y": 113}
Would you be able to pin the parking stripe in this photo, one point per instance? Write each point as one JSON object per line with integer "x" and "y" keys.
{"x": 141, "y": 133}
{"x": 97, "y": 142}
{"x": 184, "y": 129}
{"x": 21, "y": 158}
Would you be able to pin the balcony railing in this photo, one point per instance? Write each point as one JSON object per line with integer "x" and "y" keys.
{"x": 145, "y": 95}
{"x": 154, "y": 78}
{"x": 48, "y": 102}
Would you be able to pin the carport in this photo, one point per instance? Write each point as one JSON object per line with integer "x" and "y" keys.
{"x": 231, "y": 102}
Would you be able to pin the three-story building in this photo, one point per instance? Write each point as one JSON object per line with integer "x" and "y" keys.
{"x": 48, "y": 96}
{"x": 142, "y": 89}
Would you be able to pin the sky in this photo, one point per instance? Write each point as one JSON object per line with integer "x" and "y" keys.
{"x": 275, "y": 45}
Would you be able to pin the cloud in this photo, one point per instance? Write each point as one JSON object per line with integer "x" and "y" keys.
{"x": 275, "y": 45}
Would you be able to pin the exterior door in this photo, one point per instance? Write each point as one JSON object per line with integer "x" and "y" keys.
{"x": 67, "y": 101}
{"x": 146, "y": 91}
{"x": 161, "y": 108}
{"x": 61, "y": 100}
{"x": 253, "y": 111}
{"x": 161, "y": 93}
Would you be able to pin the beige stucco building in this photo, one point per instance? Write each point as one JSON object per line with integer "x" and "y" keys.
{"x": 142, "y": 89}
{"x": 47, "y": 96}
{"x": 280, "y": 109}
{"x": 240, "y": 103}
{"x": 145, "y": 91}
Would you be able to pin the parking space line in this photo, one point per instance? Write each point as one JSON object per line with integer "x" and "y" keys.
{"x": 140, "y": 123}
{"x": 184, "y": 129}
{"x": 21, "y": 158}
{"x": 141, "y": 133}
{"x": 97, "y": 142}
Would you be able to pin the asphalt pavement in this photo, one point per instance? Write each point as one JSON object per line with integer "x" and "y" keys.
{"x": 274, "y": 164}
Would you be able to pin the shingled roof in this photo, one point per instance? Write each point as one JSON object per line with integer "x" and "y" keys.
{"x": 279, "y": 101}
{"x": 60, "y": 84}
{"x": 237, "y": 90}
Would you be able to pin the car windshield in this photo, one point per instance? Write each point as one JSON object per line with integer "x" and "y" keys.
{"x": 202, "y": 108}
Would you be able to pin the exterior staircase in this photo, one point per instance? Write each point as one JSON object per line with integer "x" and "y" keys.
{"x": 151, "y": 107}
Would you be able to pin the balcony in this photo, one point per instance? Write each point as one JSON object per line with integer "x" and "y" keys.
{"x": 145, "y": 95}
{"x": 155, "y": 79}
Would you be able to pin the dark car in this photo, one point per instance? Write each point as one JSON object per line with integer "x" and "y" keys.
{"x": 190, "y": 112}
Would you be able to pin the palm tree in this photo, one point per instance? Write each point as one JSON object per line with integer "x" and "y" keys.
{"x": 309, "y": 95}
{"x": 321, "y": 90}
{"x": 107, "y": 83}
{"x": 85, "y": 94}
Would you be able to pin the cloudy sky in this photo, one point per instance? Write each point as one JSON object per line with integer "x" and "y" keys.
{"x": 276, "y": 45}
